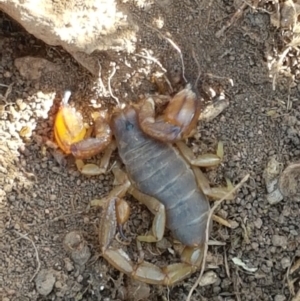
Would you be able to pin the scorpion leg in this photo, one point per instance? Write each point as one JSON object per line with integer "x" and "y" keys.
{"x": 93, "y": 169}
{"x": 116, "y": 210}
{"x": 143, "y": 271}
{"x": 207, "y": 160}
{"x": 121, "y": 184}
{"x": 178, "y": 120}
{"x": 155, "y": 207}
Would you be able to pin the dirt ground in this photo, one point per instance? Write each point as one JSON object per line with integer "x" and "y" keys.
{"x": 42, "y": 201}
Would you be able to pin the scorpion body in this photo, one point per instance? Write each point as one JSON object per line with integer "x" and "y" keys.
{"x": 161, "y": 176}
{"x": 157, "y": 169}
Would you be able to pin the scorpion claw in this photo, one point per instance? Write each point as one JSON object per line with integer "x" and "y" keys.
{"x": 91, "y": 146}
{"x": 179, "y": 118}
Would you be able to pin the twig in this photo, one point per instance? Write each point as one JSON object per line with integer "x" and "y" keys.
{"x": 198, "y": 66}
{"x": 226, "y": 264}
{"x": 209, "y": 13}
{"x": 221, "y": 221}
{"x": 102, "y": 87}
{"x": 8, "y": 91}
{"x": 36, "y": 253}
{"x": 235, "y": 285}
{"x": 168, "y": 295}
{"x": 180, "y": 54}
{"x": 109, "y": 86}
{"x": 4, "y": 98}
{"x": 152, "y": 58}
{"x": 289, "y": 282}
{"x": 295, "y": 266}
{"x": 174, "y": 45}
{"x": 210, "y": 214}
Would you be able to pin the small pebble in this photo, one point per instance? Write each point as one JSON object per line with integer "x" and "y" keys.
{"x": 163, "y": 244}
{"x": 285, "y": 262}
{"x": 22, "y": 105}
{"x": 58, "y": 284}
{"x": 77, "y": 247}
{"x": 234, "y": 224}
{"x": 44, "y": 282}
{"x": 258, "y": 223}
{"x": 269, "y": 263}
{"x": 7, "y": 74}
{"x": 68, "y": 265}
{"x": 52, "y": 197}
{"x": 216, "y": 290}
{"x": 294, "y": 232}
{"x": 208, "y": 278}
{"x": 12, "y": 198}
{"x": 279, "y": 241}
{"x": 223, "y": 213}
{"x": 7, "y": 188}
{"x": 279, "y": 298}
{"x": 266, "y": 269}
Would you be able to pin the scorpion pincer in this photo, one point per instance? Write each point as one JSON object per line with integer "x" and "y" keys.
{"x": 161, "y": 173}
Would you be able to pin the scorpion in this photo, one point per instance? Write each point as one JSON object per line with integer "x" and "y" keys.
{"x": 161, "y": 172}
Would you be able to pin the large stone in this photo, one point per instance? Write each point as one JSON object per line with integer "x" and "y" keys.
{"x": 81, "y": 27}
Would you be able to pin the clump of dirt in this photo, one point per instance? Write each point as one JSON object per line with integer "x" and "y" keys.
{"x": 41, "y": 201}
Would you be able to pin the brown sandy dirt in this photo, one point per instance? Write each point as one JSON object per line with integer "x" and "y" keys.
{"x": 42, "y": 201}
